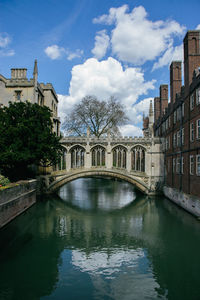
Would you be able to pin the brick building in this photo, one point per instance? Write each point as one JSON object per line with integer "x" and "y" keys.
{"x": 178, "y": 122}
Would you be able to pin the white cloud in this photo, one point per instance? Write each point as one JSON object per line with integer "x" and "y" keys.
{"x": 171, "y": 54}
{"x": 198, "y": 27}
{"x": 135, "y": 38}
{"x": 131, "y": 130}
{"x": 7, "y": 52}
{"x": 96, "y": 78}
{"x": 5, "y": 40}
{"x": 56, "y": 52}
{"x": 77, "y": 54}
{"x": 101, "y": 44}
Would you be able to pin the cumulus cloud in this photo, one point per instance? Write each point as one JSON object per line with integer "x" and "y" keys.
{"x": 56, "y": 52}
{"x": 96, "y": 78}
{"x": 130, "y": 130}
{"x": 171, "y": 54}
{"x": 198, "y": 27}
{"x": 5, "y": 41}
{"x": 101, "y": 44}
{"x": 135, "y": 38}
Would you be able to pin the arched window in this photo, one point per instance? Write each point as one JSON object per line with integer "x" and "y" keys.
{"x": 119, "y": 157}
{"x": 77, "y": 157}
{"x": 138, "y": 159}
{"x": 62, "y": 162}
{"x": 98, "y": 156}
{"x": 194, "y": 45}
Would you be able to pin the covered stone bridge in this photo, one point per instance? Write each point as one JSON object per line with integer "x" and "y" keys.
{"x": 136, "y": 160}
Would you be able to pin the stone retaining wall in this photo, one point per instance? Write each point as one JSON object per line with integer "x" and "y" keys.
{"x": 186, "y": 201}
{"x": 15, "y": 200}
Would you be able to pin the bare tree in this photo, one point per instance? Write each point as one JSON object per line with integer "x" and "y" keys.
{"x": 100, "y": 117}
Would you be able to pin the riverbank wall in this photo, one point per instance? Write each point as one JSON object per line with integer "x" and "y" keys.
{"x": 188, "y": 202}
{"x": 14, "y": 200}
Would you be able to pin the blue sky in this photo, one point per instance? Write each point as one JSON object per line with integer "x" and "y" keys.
{"x": 95, "y": 47}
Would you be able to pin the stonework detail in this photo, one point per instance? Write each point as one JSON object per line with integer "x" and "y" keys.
{"x": 20, "y": 88}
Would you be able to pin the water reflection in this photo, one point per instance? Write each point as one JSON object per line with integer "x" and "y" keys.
{"x": 145, "y": 250}
{"x": 101, "y": 194}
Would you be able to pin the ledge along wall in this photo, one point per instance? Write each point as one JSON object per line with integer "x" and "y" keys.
{"x": 188, "y": 202}
{"x": 15, "y": 200}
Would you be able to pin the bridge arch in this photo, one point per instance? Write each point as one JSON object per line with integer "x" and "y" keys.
{"x": 61, "y": 180}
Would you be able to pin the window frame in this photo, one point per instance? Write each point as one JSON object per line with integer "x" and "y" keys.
{"x": 192, "y": 101}
{"x": 191, "y": 165}
{"x": 197, "y": 164}
{"x": 198, "y": 129}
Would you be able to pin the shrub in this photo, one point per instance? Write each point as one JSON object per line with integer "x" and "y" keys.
{"x": 4, "y": 181}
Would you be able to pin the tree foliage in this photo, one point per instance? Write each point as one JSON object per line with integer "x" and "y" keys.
{"x": 26, "y": 138}
{"x": 100, "y": 117}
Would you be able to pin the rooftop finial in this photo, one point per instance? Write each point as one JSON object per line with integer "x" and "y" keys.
{"x": 150, "y": 108}
{"x": 35, "y": 71}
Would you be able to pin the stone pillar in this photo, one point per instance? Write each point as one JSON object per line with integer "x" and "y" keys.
{"x": 108, "y": 157}
{"x": 88, "y": 156}
{"x": 128, "y": 165}
{"x": 68, "y": 161}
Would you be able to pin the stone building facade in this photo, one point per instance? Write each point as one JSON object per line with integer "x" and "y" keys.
{"x": 20, "y": 88}
{"x": 178, "y": 122}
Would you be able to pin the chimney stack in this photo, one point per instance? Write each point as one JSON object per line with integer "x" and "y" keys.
{"x": 18, "y": 73}
{"x": 175, "y": 80}
{"x": 191, "y": 56}
{"x": 156, "y": 108}
{"x": 163, "y": 98}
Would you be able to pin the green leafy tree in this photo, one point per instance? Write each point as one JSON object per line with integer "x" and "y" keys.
{"x": 26, "y": 138}
{"x": 100, "y": 117}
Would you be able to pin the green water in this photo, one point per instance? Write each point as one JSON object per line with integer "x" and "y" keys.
{"x": 99, "y": 239}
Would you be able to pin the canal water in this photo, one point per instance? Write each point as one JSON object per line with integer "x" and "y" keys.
{"x": 101, "y": 239}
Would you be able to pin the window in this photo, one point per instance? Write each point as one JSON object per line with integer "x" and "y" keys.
{"x": 198, "y": 129}
{"x": 18, "y": 95}
{"x": 191, "y": 164}
{"x": 174, "y": 140}
{"x": 175, "y": 117}
{"x": 182, "y": 165}
{"x": 178, "y": 138}
{"x": 198, "y": 164}
{"x": 169, "y": 165}
{"x": 179, "y": 113}
{"x": 182, "y": 136}
{"x": 192, "y": 102}
{"x": 178, "y": 165}
{"x": 166, "y": 123}
{"x": 174, "y": 164}
{"x": 169, "y": 122}
{"x": 183, "y": 110}
{"x": 198, "y": 96}
{"x": 169, "y": 142}
{"x": 192, "y": 132}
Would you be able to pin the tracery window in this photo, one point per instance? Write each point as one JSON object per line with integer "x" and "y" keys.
{"x": 77, "y": 157}
{"x": 119, "y": 157}
{"x": 138, "y": 159}
{"x": 62, "y": 162}
{"x": 98, "y": 156}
